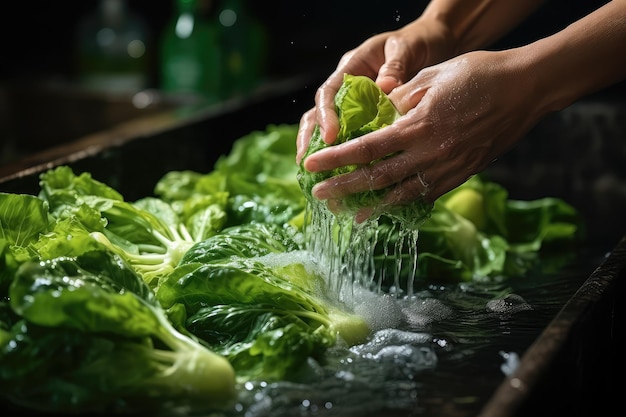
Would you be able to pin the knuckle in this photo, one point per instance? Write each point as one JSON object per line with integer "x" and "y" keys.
{"x": 382, "y": 176}
{"x": 365, "y": 151}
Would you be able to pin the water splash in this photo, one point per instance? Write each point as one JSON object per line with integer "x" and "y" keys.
{"x": 354, "y": 256}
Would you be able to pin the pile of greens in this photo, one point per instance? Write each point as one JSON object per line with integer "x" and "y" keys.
{"x": 177, "y": 299}
{"x": 174, "y": 299}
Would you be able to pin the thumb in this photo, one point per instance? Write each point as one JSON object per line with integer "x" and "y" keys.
{"x": 394, "y": 71}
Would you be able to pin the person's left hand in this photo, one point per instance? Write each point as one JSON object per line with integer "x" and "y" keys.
{"x": 458, "y": 117}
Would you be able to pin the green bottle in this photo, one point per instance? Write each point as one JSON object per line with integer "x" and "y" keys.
{"x": 244, "y": 46}
{"x": 190, "y": 54}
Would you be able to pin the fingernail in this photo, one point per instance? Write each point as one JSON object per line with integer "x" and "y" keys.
{"x": 362, "y": 215}
{"x": 319, "y": 192}
{"x": 324, "y": 138}
{"x": 311, "y": 165}
{"x": 334, "y": 206}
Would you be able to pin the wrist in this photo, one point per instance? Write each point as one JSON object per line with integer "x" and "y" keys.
{"x": 531, "y": 80}
{"x": 581, "y": 59}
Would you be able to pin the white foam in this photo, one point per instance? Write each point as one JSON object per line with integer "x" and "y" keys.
{"x": 396, "y": 337}
{"x": 422, "y": 312}
{"x": 403, "y": 351}
{"x": 380, "y": 311}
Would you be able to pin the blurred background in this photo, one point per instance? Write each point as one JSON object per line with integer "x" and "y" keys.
{"x": 72, "y": 68}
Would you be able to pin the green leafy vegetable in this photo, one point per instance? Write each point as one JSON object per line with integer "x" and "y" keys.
{"x": 475, "y": 232}
{"x": 252, "y": 302}
{"x": 22, "y": 219}
{"x": 256, "y": 180}
{"x": 148, "y": 233}
{"x": 103, "y": 339}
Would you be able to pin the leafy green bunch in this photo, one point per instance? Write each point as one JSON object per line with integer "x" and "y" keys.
{"x": 476, "y": 232}
{"x": 172, "y": 300}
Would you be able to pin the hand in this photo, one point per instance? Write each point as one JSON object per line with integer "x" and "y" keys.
{"x": 390, "y": 58}
{"x": 458, "y": 116}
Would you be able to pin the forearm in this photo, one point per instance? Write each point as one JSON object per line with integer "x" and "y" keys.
{"x": 476, "y": 24}
{"x": 583, "y": 58}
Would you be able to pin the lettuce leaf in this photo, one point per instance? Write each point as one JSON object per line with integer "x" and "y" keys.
{"x": 91, "y": 336}
{"x": 257, "y": 180}
{"x": 477, "y": 233}
{"x": 248, "y": 297}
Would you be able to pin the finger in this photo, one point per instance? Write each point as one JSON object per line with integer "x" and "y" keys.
{"x": 341, "y": 186}
{"x": 363, "y": 214}
{"x": 394, "y": 70}
{"x": 424, "y": 186}
{"x": 305, "y": 131}
{"x": 409, "y": 190}
{"x": 371, "y": 177}
{"x": 409, "y": 95}
{"x": 335, "y": 206}
{"x": 326, "y": 111}
{"x": 446, "y": 184}
{"x": 357, "y": 151}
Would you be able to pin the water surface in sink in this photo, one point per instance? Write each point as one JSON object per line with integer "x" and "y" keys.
{"x": 454, "y": 347}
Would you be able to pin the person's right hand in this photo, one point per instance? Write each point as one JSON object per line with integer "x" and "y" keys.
{"x": 389, "y": 58}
